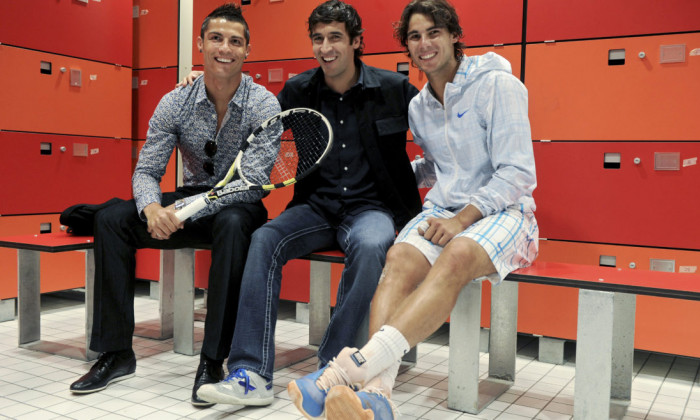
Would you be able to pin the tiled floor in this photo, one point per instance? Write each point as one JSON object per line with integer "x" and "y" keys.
{"x": 34, "y": 385}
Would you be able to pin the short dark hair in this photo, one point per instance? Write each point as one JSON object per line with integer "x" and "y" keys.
{"x": 231, "y": 13}
{"x": 338, "y": 11}
{"x": 443, "y": 15}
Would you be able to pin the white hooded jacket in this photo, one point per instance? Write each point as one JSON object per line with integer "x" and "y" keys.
{"x": 478, "y": 148}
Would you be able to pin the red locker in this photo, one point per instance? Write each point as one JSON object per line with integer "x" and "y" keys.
{"x": 52, "y": 172}
{"x": 277, "y": 29}
{"x": 149, "y": 86}
{"x": 169, "y": 181}
{"x": 61, "y": 271}
{"x": 636, "y": 201}
{"x": 273, "y": 74}
{"x": 57, "y": 94}
{"x": 559, "y": 20}
{"x": 577, "y": 92}
{"x": 99, "y": 31}
{"x": 155, "y": 33}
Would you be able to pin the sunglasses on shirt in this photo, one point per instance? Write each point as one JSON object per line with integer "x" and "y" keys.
{"x": 210, "y": 149}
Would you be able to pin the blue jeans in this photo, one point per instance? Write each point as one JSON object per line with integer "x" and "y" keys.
{"x": 365, "y": 239}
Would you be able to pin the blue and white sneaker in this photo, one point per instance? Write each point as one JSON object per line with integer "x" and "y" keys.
{"x": 239, "y": 388}
{"x": 309, "y": 392}
{"x": 343, "y": 403}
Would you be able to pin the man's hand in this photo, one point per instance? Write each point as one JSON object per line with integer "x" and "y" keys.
{"x": 190, "y": 78}
{"x": 441, "y": 231}
{"x": 162, "y": 221}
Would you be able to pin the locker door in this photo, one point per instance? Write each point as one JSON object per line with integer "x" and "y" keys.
{"x": 57, "y": 94}
{"x": 99, "y": 31}
{"x": 278, "y": 30}
{"x": 559, "y": 20}
{"x": 149, "y": 86}
{"x": 52, "y": 172}
{"x": 576, "y": 93}
{"x": 273, "y": 74}
{"x": 155, "y": 33}
{"x": 634, "y": 202}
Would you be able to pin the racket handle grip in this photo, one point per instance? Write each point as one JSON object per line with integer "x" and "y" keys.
{"x": 192, "y": 208}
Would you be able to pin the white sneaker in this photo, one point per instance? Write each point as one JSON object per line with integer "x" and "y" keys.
{"x": 239, "y": 388}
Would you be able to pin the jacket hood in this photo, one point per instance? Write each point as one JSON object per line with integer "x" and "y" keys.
{"x": 474, "y": 67}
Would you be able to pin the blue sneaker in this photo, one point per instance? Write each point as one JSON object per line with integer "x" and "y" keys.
{"x": 309, "y": 392}
{"x": 239, "y": 388}
{"x": 343, "y": 403}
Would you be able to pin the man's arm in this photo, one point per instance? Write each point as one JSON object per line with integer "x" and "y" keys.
{"x": 153, "y": 159}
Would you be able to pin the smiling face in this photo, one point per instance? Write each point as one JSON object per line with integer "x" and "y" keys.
{"x": 334, "y": 50}
{"x": 224, "y": 47}
{"x": 431, "y": 47}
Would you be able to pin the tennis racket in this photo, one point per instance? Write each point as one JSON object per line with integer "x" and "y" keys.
{"x": 305, "y": 139}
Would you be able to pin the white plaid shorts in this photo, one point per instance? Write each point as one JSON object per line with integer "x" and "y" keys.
{"x": 510, "y": 237}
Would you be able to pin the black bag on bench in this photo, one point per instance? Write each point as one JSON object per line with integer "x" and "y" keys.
{"x": 80, "y": 217}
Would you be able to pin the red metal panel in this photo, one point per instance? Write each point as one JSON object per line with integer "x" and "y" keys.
{"x": 53, "y": 103}
{"x": 155, "y": 33}
{"x": 99, "y": 31}
{"x": 576, "y": 95}
{"x": 559, "y": 20}
{"x": 149, "y": 86}
{"x": 580, "y": 200}
{"x": 48, "y": 183}
{"x": 273, "y": 74}
{"x": 148, "y": 264}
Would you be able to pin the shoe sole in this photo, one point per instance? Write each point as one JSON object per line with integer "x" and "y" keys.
{"x": 202, "y": 404}
{"x": 343, "y": 404}
{"x": 216, "y": 398}
{"x": 113, "y": 380}
{"x": 298, "y": 400}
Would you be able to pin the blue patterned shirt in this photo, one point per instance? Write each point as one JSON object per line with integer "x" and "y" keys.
{"x": 185, "y": 118}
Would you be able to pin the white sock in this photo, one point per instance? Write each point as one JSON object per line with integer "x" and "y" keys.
{"x": 386, "y": 347}
{"x": 384, "y": 382}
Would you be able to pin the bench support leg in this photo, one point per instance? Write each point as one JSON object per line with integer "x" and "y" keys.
{"x": 89, "y": 302}
{"x": 7, "y": 309}
{"x": 319, "y": 300}
{"x": 551, "y": 350}
{"x": 604, "y": 349}
{"x": 164, "y": 289}
{"x": 183, "y": 293}
{"x": 465, "y": 392}
{"x": 28, "y": 296}
{"x": 623, "y": 346}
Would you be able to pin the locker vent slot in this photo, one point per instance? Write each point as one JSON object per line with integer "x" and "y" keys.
{"x": 607, "y": 261}
{"x": 80, "y": 149}
{"x": 616, "y": 57}
{"x": 45, "y": 228}
{"x": 611, "y": 161}
{"x": 668, "y": 266}
{"x": 275, "y": 75}
{"x": 45, "y": 148}
{"x": 667, "y": 161}
{"x": 672, "y": 54}
{"x": 45, "y": 67}
{"x": 402, "y": 68}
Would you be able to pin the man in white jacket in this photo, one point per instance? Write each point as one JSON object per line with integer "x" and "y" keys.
{"x": 477, "y": 220}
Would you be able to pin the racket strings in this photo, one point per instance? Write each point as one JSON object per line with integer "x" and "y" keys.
{"x": 302, "y": 144}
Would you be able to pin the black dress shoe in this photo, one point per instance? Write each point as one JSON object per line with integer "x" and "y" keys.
{"x": 110, "y": 367}
{"x": 209, "y": 372}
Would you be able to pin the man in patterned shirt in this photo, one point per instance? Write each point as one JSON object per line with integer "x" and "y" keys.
{"x": 206, "y": 122}
{"x": 477, "y": 221}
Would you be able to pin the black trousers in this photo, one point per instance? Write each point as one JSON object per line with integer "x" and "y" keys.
{"x": 119, "y": 232}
